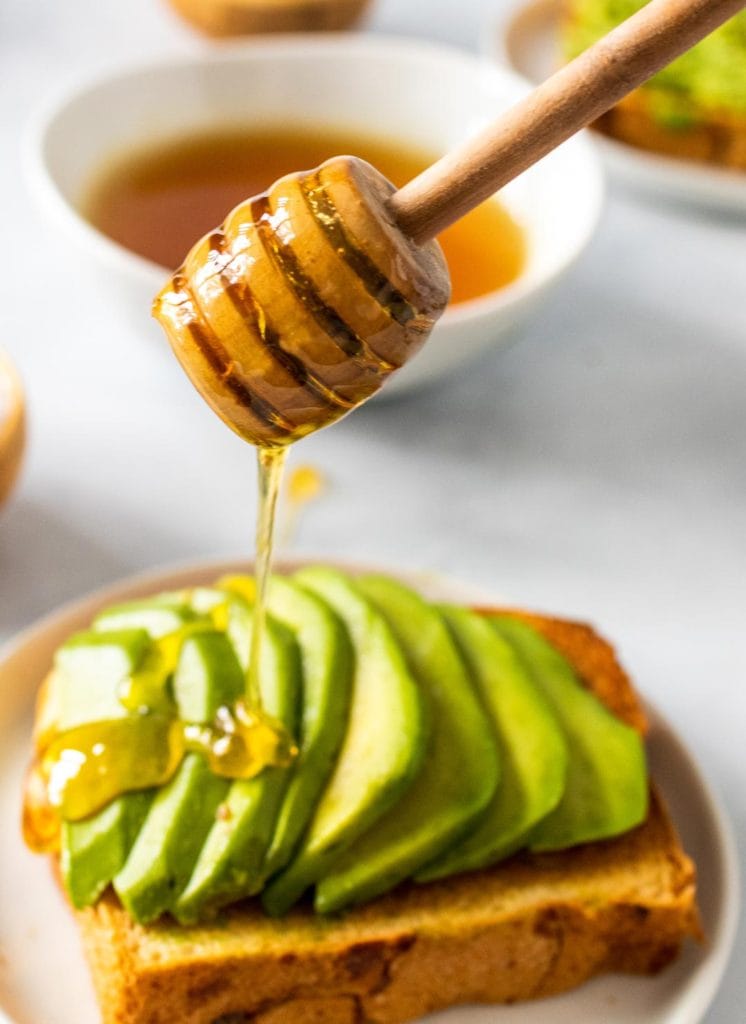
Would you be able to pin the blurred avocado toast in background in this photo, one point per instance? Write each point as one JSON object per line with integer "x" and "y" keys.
{"x": 694, "y": 109}
{"x": 454, "y": 779}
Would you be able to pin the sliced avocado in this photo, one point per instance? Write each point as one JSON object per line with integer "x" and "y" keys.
{"x": 328, "y": 660}
{"x": 114, "y": 654}
{"x": 84, "y": 687}
{"x": 459, "y": 774}
{"x": 229, "y": 862}
{"x": 168, "y": 843}
{"x": 95, "y": 665}
{"x": 159, "y": 864}
{"x": 84, "y": 683}
{"x": 207, "y": 677}
{"x": 239, "y": 629}
{"x": 203, "y": 600}
{"x": 606, "y": 790}
{"x": 532, "y": 745}
{"x": 159, "y": 616}
{"x": 382, "y": 750}
{"x": 94, "y": 850}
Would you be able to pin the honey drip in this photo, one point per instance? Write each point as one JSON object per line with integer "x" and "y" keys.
{"x": 78, "y": 771}
{"x": 305, "y": 485}
{"x": 271, "y": 463}
{"x": 84, "y": 769}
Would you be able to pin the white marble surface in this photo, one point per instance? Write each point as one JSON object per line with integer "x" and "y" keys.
{"x": 597, "y": 469}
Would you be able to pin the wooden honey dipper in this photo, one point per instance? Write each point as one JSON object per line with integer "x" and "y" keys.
{"x": 312, "y": 294}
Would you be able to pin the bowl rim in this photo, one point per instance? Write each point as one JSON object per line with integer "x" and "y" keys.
{"x": 49, "y": 197}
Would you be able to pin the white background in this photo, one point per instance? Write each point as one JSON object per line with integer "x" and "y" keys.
{"x": 597, "y": 469}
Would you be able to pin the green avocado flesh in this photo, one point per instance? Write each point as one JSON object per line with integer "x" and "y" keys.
{"x": 327, "y": 659}
{"x": 208, "y": 677}
{"x": 709, "y": 77}
{"x": 83, "y": 687}
{"x": 158, "y": 617}
{"x": 382, "y": 749}
{"x": 94, "y": 851}
{"x": 85, "y": 679}
{"x": 458, "y": 776}
{"x": 432, "y": 740}
{"x": 532, "y": 748}
{"x": 230, "y": 860}
{"x": 94, "y": 666}
{"x": 606, "y": 790}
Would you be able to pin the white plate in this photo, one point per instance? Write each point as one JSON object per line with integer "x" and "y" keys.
{"x": 525, "y": 39}
{"x": 43, "y": 979}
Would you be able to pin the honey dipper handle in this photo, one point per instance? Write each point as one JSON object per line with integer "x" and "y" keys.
{"x": 568, "y": 101}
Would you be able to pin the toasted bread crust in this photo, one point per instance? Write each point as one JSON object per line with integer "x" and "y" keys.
{"x": 531, "y": 927}
{"x": 711, "y": 135}
{"x": 714, "y": 137}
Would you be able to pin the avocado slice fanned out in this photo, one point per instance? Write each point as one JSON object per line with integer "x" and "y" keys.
{"x": 327, "y": 661}
{"x": 93, "y": 851}
{"x": 208, "y": 676}
{"x": 229, "y": 863}
{"x": 432, "y": 741}
{"x": 84, "y": 687}
{"x": 84, "y": 684}
{"x": 606, "y": 791}
{"x": 532, "y": 747}
{"x": 158, "y": 615}
{"x": 382, "y": 750}
{"x": 459, "y": 774}
{"x": 169, "y": 840}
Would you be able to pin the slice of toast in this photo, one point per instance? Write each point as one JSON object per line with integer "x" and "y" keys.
{"x": 531, "y": 927}
{"x": 712, "y": 137}
{"x": 704, "y": 134}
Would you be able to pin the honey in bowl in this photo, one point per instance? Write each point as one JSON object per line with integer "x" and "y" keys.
{"x": 157, "y": 201}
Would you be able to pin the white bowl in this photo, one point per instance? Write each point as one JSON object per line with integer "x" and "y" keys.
{"x": 429, "y": 95}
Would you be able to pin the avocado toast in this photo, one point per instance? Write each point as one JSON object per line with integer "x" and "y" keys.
{"x": 616, "y": 892}
{"x": 694, "y": 109}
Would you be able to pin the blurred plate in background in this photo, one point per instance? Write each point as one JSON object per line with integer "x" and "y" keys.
{"x": 524, "y": 38}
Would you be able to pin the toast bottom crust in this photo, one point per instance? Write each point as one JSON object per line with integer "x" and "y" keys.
{"x": 718, "y": 139}
{"x": 534, "y": 926}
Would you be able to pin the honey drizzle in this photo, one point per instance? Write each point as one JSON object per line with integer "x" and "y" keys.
{"x": 79, "y": 771}
{"x": 305, "y": 485}
{"x": 270, "y": 464}
{"x": 83, "y": 769}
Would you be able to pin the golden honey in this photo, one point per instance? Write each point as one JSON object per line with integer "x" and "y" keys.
{"x": 158, "y": 201}
{"x": 77, "y": 772}
{"x": 270, "y": 465}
